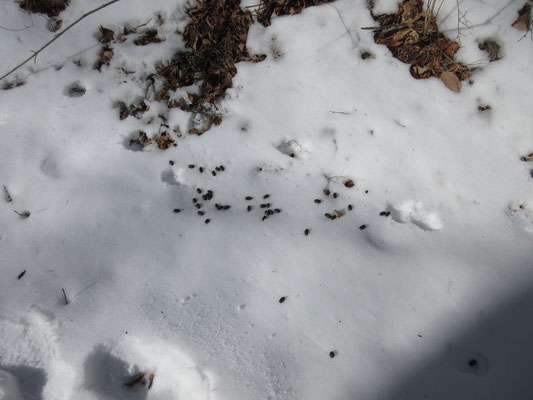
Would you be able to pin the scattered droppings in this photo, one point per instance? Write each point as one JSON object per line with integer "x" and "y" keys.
{"x": 199, "y": 191}
{"x": 350, "y": 207}
{"x": 318, "y": 201}
{"x": 419, "y": 335}
{"x": 198, "y": 205}
{"x": 191, "y": 166}
{"x": 194, "y": 200}
{"x": 306, "y": 232}
{"x": 201, "y": 213}
{"x": 362, "y": 227}
{"x": 277, "y": 210}
{"x": 484, "y": 108}
{"x": 282, "y": 299}
{"x": 213, "y": 173}
{"x": 384, "y": 213}
{"x": 171, "y": 162}
{"x": 207, "y": 221}
{"x": 266, "y": 196}
{"x": 248, "y": 198}
{"x": 222, "y": 168}
{"x": 21, "y": 274}
{"x": 332, "y": 354}
{"x": 366, "y": 191}
{"x": 176, "y": 210}
{"x": 349, "y": 183}
{"x": 327, "y": 192}
{"x": 249, "y": 208}
{"x": 201, "y": 169}
{"x": 335, "y": 195}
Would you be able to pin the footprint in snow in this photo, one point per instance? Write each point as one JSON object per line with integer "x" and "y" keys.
{"x": 137, "y": 369}
{"x": 414, "y": 212}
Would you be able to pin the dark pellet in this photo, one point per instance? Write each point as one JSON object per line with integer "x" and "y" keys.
{"x": 266, "y": 196}
{"x": 327, "y": 192}
{"x": 318, "y": 201}
{"x": 222, "y": 168}
{"x": 201, "y": 169}
{"x": 277, "y": 210}
{"x": 328, "y": 215}
{"x": 217, "y": 169}
{"x": 198, "y": 205}
{"x": 263, "y": 205}
{"x": 191, "y": 166}
{"x": 472, "y": 363}
{"x": 265, "y": 217}
{"x": 282, "y": 299}
{"x": 199, "y": 191}
{"x": 171, "y": 162}
{"x": 226, "y": 207}
{"x": 306, "y": 232}
{"x": 213, "y": 173}
{"x": 350, "y": 207}
{"x": 201, "y": 213}
{"x": 331, "y": 354}
{"x": 207, "y": 220}
{"x": 176, "y": 210}
{"x": 362, "y": 227}
{"x": 249, "y": 208}
{"x": 248, "y": 198}
{"x": 194, "y": 200}
{"x": 335, "y": 195}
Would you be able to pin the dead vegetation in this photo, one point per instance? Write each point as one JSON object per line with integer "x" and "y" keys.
{"x": 412, "y": 35}
{"x": 52, "y": 8}
{"x": 283, "y": 7}
{"x": 523, "y": 22}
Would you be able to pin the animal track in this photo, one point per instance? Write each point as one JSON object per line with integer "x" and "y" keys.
{"x": 413, "y": 211}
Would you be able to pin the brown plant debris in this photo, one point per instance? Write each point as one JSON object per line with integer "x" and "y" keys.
{"x": 413, "y": 37}
{"x": 107, "y": 34}
{"x": 106, "y": 54}
{"x": 148, "y": 37}
{"x": 12, "y": 84}
{"x": 217, "y": 37}
{"x": 523, "y": 22}
{"x": 163, "y": 141}
{"x": 284, "y": 7}
{"x": 135, "y": 110}
{"x": 492, "y": 48}
{"x": 52, "y": 8}
{"x": 137, "y": 379}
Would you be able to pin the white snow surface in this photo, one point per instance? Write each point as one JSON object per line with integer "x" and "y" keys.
{"x": 433, "y": 301}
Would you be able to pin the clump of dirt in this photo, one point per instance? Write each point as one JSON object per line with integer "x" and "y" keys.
{"x": 163, "y": 141}
{"x": 52, "y": 8}
{"x": 412, "y": 35}
{"x": 284, "y": 7}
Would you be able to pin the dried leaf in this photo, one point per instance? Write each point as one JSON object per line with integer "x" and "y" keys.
{"x": 337, "y": 213}
{"x": 492, "y": 48}
{"x": 107, "y": 34}
{"x": 451, "y": 81}
{"x": 135, "y": 379}
{"x": 523, "y": 22}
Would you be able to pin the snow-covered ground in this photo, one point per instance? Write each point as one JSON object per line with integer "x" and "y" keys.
{"x": 434, "y": 300}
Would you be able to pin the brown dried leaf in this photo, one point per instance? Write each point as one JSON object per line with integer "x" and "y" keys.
{"x": 107, "y": 34}
{"x": 135, "y": 379}
{"x": 337, "y": 213}
{"x": 451, "y": 81}
{"x": 523, "y": 22}
{"x": 492, "y": 48}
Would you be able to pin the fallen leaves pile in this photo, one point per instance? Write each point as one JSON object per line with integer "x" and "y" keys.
{"x": 412, "y": 35}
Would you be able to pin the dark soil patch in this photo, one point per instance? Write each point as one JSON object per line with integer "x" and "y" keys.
{"x": 412, "y": 36}
{"x": 284, "y": 7}
{"x": 52, "y": 8}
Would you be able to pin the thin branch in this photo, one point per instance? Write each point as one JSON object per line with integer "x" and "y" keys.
{"x": 64, "y": 293}
{"x": 35, "y": 53}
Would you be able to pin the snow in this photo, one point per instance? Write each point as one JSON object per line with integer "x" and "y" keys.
{"x": 405, "y": 303}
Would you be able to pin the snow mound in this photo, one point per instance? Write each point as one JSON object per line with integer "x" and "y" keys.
{"x": 414, "y": 212}
{"x": 175, "y": 376}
